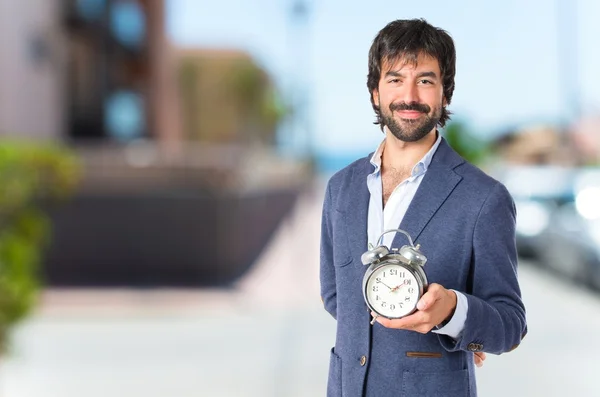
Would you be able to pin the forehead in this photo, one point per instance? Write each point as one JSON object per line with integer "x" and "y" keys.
{"x": 409, "y": 62}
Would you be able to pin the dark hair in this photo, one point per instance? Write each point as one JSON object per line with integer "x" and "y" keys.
{"x": 407, "y": 39}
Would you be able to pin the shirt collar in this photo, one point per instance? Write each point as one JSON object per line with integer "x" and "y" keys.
{"x": 418, "y": 169}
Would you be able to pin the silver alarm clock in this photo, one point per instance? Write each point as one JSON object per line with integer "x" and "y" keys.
{"x": 395, "y": 280}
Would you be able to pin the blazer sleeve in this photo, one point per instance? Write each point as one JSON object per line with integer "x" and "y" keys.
{"x": 496, "y": 320}
{"x": 327, "y": 269}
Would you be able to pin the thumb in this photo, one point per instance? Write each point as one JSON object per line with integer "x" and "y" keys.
{"x": 429, "y": 297}
{"x": 423, "y": 303}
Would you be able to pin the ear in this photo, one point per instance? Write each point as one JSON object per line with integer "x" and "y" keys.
{"x": 375, "y": 95}
{"x": 444, "y": 101}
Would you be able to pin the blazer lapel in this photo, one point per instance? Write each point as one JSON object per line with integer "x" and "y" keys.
{"x": 438, "y": 182}
{"x": 357, "y": 209}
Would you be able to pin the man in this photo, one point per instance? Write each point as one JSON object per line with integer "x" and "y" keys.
{"x": 463, "y": 219}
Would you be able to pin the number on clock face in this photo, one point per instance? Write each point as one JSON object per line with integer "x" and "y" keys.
{"x": 391, "y": 291}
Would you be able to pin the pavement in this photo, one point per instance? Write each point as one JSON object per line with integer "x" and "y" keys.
{"x": 266, "y": 336}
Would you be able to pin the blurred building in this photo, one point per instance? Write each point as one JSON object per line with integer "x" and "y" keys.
{"x": 180, "y": 186}
{"x": 32, "y": 100}
{"x": 86, "y": 69}
{"x": 545, "y": 144}
{"x": 226, "y": 97}
{"x": 586, "y": 138}
{"x": 117, "y": 65}
{"x": 577, "y": 145}
{"x": 105, "y": 70}
{"x": 535, "y": 145}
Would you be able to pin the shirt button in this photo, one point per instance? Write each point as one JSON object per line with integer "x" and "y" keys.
{"x": 363, "y": 361}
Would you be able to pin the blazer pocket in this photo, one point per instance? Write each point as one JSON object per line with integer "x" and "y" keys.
{"x": 334, "y": 381}
{"x": 341, "y": 260}
{"x": 436, "y": 384}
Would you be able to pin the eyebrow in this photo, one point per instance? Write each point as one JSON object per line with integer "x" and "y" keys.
{"x": 392, "y": 73}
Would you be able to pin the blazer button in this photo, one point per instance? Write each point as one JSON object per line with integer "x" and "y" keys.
{"x": 363, "y": 361}
{"x": 474, "y": 347}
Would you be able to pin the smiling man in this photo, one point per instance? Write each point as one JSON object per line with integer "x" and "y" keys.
{"x": 463, "y": 219}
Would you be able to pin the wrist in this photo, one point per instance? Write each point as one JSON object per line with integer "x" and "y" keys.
{"x": 452, "y": 310}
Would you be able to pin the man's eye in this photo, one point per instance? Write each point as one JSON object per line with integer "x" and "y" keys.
{"x": 426, "y": 82}
{"x": 394, "y": 81}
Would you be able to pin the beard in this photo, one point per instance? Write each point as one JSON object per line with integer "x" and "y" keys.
{"x": 411, "y": 130}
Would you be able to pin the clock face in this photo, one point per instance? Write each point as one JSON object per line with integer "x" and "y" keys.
{"x": 392, "y": 291}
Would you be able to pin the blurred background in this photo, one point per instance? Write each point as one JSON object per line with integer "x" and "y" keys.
{"x": 162, "y": 166}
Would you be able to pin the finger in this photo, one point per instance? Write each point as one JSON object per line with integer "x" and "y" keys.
{"x": 375, "y": 317}
{"x": 433, "y": 294}
{"x": 479, "y": 358}
{"x": 413, "y": 322}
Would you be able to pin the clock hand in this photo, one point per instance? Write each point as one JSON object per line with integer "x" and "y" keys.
{"x": 390, "y": 288}
{"x": 397, "y": 287}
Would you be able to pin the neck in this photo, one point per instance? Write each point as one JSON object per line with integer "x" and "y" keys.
{"x": 404, "y": 155}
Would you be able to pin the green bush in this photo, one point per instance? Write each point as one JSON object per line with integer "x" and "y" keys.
{"x": 32, "y": 175}
{"x": 470, "y": 147}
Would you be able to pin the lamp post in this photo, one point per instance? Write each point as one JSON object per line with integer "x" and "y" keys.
{"x": 568, "y": 62}
{"x": 299, "y": 78}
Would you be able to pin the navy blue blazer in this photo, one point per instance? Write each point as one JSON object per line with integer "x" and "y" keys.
{"x": 464, "y": 221}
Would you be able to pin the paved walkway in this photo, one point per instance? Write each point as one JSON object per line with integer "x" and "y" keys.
{"x": 267, "y": 337}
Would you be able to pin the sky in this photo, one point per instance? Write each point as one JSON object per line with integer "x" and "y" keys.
{"x": 509, "y": 71}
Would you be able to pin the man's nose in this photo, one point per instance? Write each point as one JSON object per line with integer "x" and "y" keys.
{"x": 410, "y": 93}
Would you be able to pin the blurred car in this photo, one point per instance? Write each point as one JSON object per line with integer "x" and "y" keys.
{"x": 558, "y": 218}
{"x": 538, "y": 191}
{"x": 570, "y": 244}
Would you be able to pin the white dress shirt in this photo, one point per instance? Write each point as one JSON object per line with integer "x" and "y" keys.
{"x": 390, "y": 217}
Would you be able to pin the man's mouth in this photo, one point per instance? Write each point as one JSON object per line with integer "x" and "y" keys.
{"x": 409, "y": 114}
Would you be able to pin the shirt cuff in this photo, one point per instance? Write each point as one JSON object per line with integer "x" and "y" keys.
{"x": 455, "y": 326}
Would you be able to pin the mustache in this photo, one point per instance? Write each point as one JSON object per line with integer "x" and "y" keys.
{"x": 414, "y": 106}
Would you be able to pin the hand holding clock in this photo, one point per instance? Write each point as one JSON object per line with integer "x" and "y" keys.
{"x": 434, "y": 307}
{"x": 421, "y": 306}
{"x": 437, "y": 302}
